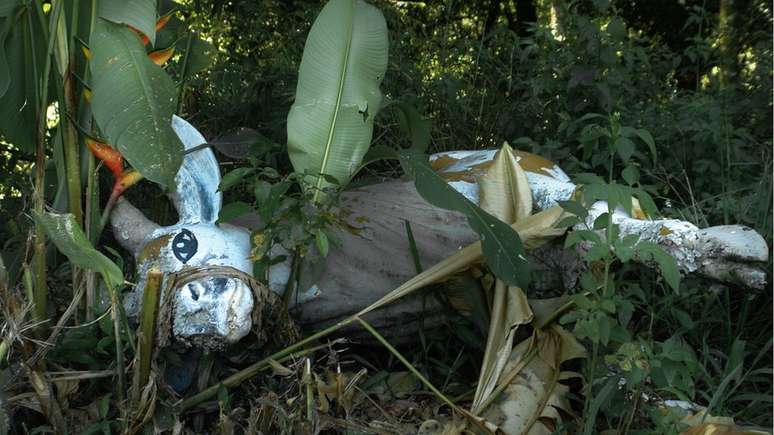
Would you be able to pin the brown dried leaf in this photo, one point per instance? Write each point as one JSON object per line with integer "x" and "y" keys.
{"x": 504, "y": 189}
{"x": 530, "y": 402}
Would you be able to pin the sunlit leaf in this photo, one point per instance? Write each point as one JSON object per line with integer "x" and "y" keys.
{"x": 331, "y": 121}
{"x": 133, "y": 100}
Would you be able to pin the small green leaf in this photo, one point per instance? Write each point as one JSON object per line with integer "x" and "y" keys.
{"x": 666, "y": 264}
{"x": 648, "y": 139}
{"x": 261, "y": 191}
{"x": 601, "y": 221}
{"x": 577, "y": 236}
{"x": 72, "y": 242}
{"x": 646, "y": 202}
{"x": 569, "y": 221}
{"x": 574, "y": 207}
{"x": 233, "y": 178}
{"x": 322, "y": 242}
{"x": 597, "y": 252}
{"x": 624, "y": 147}
{"x": 234, "y": 210}
{"x": 631, "y": 174}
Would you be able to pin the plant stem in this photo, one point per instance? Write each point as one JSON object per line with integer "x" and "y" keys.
{"x": 183, "y": 71}
{"x": 146, "y": 337}
{"x": 116, "y": 315}
{"x": 255, "y": 368}
{"x": 69, "y": 136}
{"x": 405, "y": 362}
{"x": 39, "y": 261}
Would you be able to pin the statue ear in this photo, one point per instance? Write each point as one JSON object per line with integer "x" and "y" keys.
{"x": 196, "y": 196}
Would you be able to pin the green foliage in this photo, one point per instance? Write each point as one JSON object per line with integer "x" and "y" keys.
{"x": 19, "y": 32}
{"x": 655, "y": 100}
{"x": 140, "y": 14}
{"x": 331, "y": 121}
{"x": 287, "y": 214}
{"x": 72, "y": 242}
{"x": 124, "y": 77}
{"x": 500, "y": 243}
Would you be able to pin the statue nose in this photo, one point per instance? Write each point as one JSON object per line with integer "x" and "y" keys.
{"x": 208, "y": 289}
{"x": 214, "y": 309}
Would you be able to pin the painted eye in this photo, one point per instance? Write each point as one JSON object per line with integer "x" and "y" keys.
{"x": 184, "y": 245}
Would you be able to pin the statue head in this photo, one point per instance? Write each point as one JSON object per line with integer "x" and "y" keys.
{"x": 215, "y": 308}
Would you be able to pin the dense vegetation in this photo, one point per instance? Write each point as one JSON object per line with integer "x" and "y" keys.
{"x": 560, "y": 79}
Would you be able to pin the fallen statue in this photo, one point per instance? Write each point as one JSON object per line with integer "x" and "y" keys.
{"x": 214, "y": 309}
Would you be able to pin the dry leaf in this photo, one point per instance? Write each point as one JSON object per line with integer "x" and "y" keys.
{"x": 278, "y": 369}
{"x": 504, "y": 189}
{"x": 509, "y": 310}
{"x": 529, "y": 403}
{"x": 505, "y": 193}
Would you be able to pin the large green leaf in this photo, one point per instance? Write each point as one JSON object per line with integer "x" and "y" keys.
{"x": 140, "y": 14}
{"x": 17, "y": 111}
{"x": 501, "y": 245}
{"x": 331, "y": 122}
{"x": 5, "y": 71}
{"x": 71, "y": 241}
{"x": 133, "y": 100}
{"x": 7, "y": 7}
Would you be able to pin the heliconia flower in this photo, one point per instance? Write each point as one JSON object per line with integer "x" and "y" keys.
{"x": 108, "y": 155}
{"x": 160, "y": 57}
{"x": 128, "y": 178}
{"x": 160, "y": 23}
{"x": 86, "y": 53}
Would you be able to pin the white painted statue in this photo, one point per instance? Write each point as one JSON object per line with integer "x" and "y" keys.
{"x": 374, "y": 259}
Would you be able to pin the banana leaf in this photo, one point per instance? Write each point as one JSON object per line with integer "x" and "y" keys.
{"x": 133, "y": 100}
{"x": 330, "y": 124}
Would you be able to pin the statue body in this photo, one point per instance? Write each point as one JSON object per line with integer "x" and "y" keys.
{"x": 375, "y": 258}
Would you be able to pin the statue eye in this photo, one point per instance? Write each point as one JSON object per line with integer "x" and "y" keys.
{"x": 184, "y": 245}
